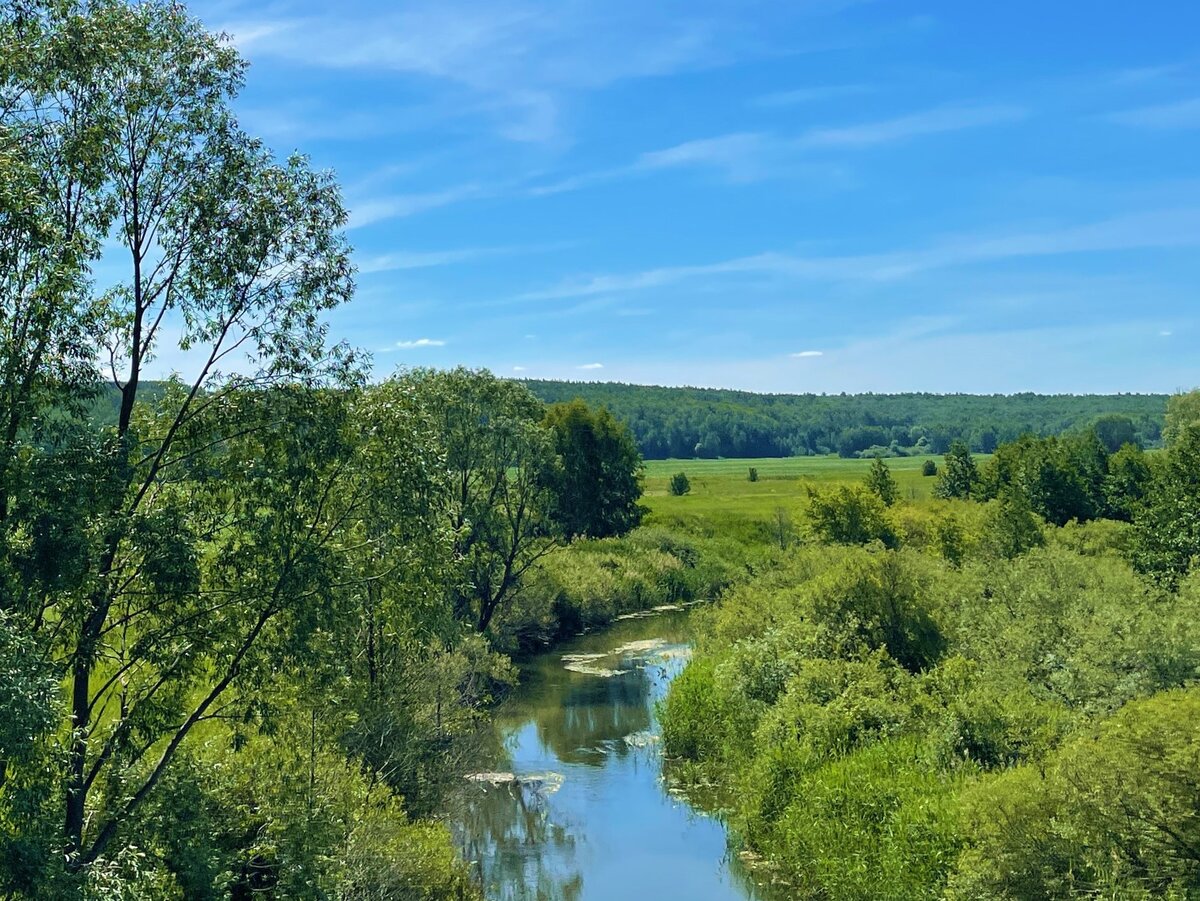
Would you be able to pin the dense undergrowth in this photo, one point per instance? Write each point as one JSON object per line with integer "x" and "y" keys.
{"x": 959, "y": 699}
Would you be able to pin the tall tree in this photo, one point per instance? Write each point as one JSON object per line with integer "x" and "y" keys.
{"x": 879, "y": 480}
{"x": 598, "y": 482}
{"x": 232, "y": 256}
{"x": 501, "y": 463}
{"x": 959, "y": 473}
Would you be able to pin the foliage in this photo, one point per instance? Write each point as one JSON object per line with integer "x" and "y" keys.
{"x": 710, "y": 423}
{"x": 1010, "y": 527}
{"x": 500, "y": 504}
{"x": 850, "y": 515}
{"x": 753, "y": 474}
{"x": 218, "y": 562}
{"x": 877, "y": 824}
{"x": 1115, "y": 431}
{"x": 597, "y": 483}
{"x": 959, "y": 474}
{"x": 913, "y": 722}
{"x": 881, "y": 483}
{"x": 1167, "y": 522}
{"x": 1112, "y": 813}
{"x": 680, "y": 485}
{"x": 1183, "y": 410}
{"x": 929, "y": 468}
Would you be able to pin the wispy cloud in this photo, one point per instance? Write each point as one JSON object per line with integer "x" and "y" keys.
{"x": 1159, "y": 229}
{"x": 1141, "y": 75}
{"x": 520, "y": 60}
{"x": 1166, "y": 116}
{"x": 591, "y": 366}
{"x": 816, "y": 94}
{"x": 428, "y": 259}
{"x": 738, "y": 155}
{"x": 751, "y": 156}
{"x": 518, "y": 369}
{"x": 420, "y": 342}
{"x": 901, "y": 128}
{"x": 372, "y": 210}
{"x": 808, "y": 353}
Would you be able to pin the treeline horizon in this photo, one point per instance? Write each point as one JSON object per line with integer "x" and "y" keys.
{"x": 683, "y": 422}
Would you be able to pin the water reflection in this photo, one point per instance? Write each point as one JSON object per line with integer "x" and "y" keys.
{"x": 575, "y": 806}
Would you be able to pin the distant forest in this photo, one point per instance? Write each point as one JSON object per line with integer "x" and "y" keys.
{"x": 716, "y": 422}
{"x": 708, "y": 422}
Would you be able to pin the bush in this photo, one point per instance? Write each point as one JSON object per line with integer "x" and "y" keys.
{"x": 679, "y": 484}
{"x": 878, "y": 824}
{"x": 850, "y": 516}
{"x": 929, "y": 468}
{"x": 1114, "y": 813}
{"x": 753, "y": 474}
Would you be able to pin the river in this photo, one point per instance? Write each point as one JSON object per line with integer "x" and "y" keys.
{"x": 589, "y": 816}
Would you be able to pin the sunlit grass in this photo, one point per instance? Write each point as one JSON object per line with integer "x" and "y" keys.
{"x": 724, "y": 485}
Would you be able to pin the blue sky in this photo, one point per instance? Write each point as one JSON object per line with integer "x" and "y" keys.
{"x": 797, "y": 195}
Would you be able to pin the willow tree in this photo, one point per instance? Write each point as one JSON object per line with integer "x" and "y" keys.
{"x": 146, "y": 563}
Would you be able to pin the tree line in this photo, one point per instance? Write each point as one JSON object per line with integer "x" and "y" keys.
{"x": 247, "y": 619}
{"x": 707, "y": 422}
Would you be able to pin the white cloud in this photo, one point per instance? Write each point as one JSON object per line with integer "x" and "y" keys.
{"x": 808, "y": 353}
{"x": 427, "y": 259}
{"x": 1166, "y": 116}
{"x": 515, "y": 62}
{"x": 420, "y": 342}
{"x": 934, "y": 121}
{"x": 738, "y": 155}
{"x": 519, "y": 369}
{"x": 369, "y": 211}
{"x": 1156, "y": 229}
{"x": 928, "y": 356}
{"x": 1165, "y": 334}
{"x": 591, "y": 366}
{"x": 750, "y": 156}
{"x": 811, "y": 95}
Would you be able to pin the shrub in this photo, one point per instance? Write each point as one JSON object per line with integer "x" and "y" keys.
{"x": 753, "y": 474}
{"x": 1114, "y": 813}
{"x": 679, "y": 485}
{"x": 877, "y": 824}
{"x": 929, "y": 468}
{"x": 850, "y": 516}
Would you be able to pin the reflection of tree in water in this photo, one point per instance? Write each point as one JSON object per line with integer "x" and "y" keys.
{"x": 586, "y": 713}
{"x": 505, "y": 831}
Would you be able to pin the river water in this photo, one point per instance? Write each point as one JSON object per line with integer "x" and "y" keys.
{"x": 589, "y": 816}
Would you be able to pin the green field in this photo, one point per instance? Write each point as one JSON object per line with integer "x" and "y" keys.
{"x": 782, "y": 481}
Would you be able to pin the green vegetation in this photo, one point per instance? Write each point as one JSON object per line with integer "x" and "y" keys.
{"x": 709, "y": 423}
{"x": 987, "y": 694}
{"x": 252, "y": 622}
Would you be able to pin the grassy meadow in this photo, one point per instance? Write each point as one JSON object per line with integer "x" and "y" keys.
{"x": 724, "y": 485}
